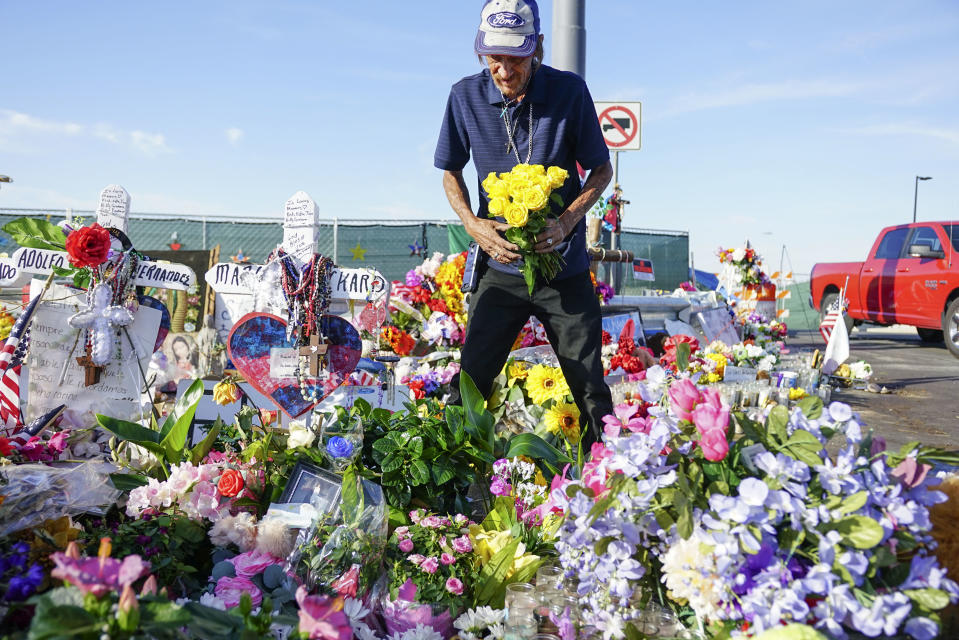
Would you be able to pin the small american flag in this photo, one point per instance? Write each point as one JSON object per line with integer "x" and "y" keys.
{"x": 11, "y": 359}
{"x": 828, "y": 323}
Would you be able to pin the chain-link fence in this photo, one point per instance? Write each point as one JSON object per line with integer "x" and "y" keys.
{"x": 391, "y": 247}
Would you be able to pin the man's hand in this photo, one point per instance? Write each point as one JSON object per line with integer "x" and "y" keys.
{"x": 488, "y": 234}
{"x": 551, "y": 236}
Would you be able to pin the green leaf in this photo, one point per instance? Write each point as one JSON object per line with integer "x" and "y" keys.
{"x": 682, "y": 356}
{"x": 530, "y": 444}
{"x": 776, "y": 423}
{"x": 36, "y": 233}
{"x": 419, "y": 473}
{"x": 443, "y": 471}
{"x": 479, "y": 422}
{"x": 415, "y": 447}
{"x": 854, "y": 503}
{"x": 177, "y": 425}
{"x": 200, "y": 451}
{"x": 127, "y": 481}
{"x": 161, "y": 613}
{"x": 805, "y": 447}
{"x": 555, "y": 197}
{"x": 384, "y": 445}
{"x": 129, "y": 431}
{"x": 930, "y": 599}
{"x": 392, "y": 462}
{"x": 861, "y": 532}
{"x": 684, "y": 521}
{"x": 811, "y": 407}
{"x": 352, "y": 495}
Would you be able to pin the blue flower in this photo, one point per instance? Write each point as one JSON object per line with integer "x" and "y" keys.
{"x": 339, "y": 447}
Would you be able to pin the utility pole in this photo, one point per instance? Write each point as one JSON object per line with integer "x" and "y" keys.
{"x": 569, "y": 36}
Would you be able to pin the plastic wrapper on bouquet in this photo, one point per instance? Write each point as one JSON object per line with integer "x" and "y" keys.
{"x": 33, "y": 493}
{"x": 341, "y": 553}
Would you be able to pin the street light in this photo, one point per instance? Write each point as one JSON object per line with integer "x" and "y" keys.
{"x": 915, "y": 196}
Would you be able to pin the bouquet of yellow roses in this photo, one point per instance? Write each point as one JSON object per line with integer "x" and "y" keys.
{"x": 524, "y": 198}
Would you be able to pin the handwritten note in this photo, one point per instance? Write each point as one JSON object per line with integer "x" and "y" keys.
{"x": 52, "y": 345}
{"x": 113, "y": 209}
{"x": 283, "y": 362}
{"x": 300, "y": 211}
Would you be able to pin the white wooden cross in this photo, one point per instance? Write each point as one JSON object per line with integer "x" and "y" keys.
{"x": 234, "y": 283}
{"x": 113, "y": 211}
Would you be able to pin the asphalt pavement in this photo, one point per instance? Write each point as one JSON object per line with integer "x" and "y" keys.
{"x": 923, "y": 380}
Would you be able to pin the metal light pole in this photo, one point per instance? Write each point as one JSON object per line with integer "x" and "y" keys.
{"x": 569, "y": 36}
{"x": 915, "y": 197}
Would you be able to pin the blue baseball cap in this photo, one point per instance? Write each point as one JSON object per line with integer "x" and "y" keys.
{"x": 508, "y": 28}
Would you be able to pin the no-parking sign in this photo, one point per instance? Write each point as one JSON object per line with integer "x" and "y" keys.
{"x": 621, "y": 123}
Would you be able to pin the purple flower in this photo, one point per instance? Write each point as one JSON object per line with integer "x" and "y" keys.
{"x": 413, "y": 279}
{"x": 23, "y": 586}
{"x": 430, "y": 565}
{"x": 406, "y": 545}
{"x": 499, "y": 487}
{"x": 339, "y": 447}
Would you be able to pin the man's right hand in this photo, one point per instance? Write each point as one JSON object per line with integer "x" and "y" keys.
{"x": 488, "y": 234}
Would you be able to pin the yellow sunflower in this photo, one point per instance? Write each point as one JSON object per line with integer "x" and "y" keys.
{"x": 516, "y": 371}
{"x": 563, "y": 418}
{"x": 546, "y": 383}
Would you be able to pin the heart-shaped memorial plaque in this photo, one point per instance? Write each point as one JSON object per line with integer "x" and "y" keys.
{"x": 260, "y": 350}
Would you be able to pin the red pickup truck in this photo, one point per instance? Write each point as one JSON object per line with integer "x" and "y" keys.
{"x": 910, "y": 277}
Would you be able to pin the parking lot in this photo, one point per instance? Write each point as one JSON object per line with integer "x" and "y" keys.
{"x": 923, "y": 379}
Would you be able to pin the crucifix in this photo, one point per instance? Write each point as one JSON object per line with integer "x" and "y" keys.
{"x": 315, "y": 351}
{"x": 91, "y": 370}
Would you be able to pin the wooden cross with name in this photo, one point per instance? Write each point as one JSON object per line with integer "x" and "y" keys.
{"x": 315, "y": 351}
{"x": 91, "y": 374}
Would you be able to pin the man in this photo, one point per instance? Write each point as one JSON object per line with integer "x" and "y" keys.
{"x": 515, "y": 111}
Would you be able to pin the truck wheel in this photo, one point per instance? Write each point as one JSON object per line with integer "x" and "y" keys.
{"x": 829, "y": 300}
{"x": 929, "y": 335}
{"x": 950, "y": 327}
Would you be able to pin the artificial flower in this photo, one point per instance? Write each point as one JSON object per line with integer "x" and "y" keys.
{"x": 231, "y": 483}
{"x": 88, "y": 246}
{"x": 225, "y": 393}
{"x": 563, "y": 418}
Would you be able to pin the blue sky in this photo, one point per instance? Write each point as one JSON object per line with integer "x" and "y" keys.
{"x": 801, "y": 124}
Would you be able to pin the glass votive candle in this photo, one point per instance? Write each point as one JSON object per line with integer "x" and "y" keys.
{"x": 519, "y": 591}
{"x": 825, "y": 393}
{"x": 520, "y": 625}
{"x": 550, "y": 575}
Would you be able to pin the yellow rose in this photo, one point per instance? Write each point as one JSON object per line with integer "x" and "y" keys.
{"x": 516, "y": 215}
{"x": 498, "y": 206}
{"x": 499, "y": 190}
{"x": 557, "y": 176}
{"x": 225, "y": 393}
{"x": 536, "y": 170}
{"x": 535, "y": 198}
{"x": 490, "y": 181}
{"x": 518, "y": 185}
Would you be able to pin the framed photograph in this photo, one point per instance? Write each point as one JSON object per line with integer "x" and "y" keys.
{"x": 310, "y": 484}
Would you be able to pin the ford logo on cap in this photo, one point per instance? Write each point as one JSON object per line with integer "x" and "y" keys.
{"x": 505, "y": 19}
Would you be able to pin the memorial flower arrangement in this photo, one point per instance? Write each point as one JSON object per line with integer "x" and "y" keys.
{"x": 624, "y": 356}
{"x": 524, "y": 198}
{"x": 747, "y": 263}
{"x": 428, "y": 305}
{"x": 6, "y": 323}
{"x": 429, "y": 562}
{"x": 428, "y": 379}
{"x": 760, "y": 530}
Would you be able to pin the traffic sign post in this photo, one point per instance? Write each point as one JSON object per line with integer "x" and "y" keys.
{"x": 621, "y": 124}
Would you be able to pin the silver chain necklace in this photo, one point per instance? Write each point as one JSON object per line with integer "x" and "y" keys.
{"x": 511, "y": 130}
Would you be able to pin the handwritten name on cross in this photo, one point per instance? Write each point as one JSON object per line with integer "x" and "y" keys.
{"x": 113, "y": 211}
{"x": 300, "y": 226}
{"x": 315, "y": 352}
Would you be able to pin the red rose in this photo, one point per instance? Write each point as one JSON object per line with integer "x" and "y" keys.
{"x": 88, "y": 246}
{"x": 231, "y": 483}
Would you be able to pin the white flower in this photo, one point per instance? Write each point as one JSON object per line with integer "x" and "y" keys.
{"x": 210, "y": 600}
{"x": 738, "y": 254}
{"x": 299, "y": 435}
{"x": 421, "y": 632}
{"x": 362, "y": 631}
{"x": 354, "y": 609}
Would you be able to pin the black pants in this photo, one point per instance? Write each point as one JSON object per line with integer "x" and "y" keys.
{"x": 569, "y": 311}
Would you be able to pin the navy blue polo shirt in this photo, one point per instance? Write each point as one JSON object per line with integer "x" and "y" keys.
{"x": 565, "y": 131}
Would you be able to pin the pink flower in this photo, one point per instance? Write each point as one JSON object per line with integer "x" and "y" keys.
{"x": 460, "y": 519}
{"x": 58, "y": 442}
{"x": 454, "y": 586}
{"x": 347, "y": 583}
{"x": 711, "y": 414}
{"x": 322, "y": 617}
{"x": 447, "y": 559}
{"x": 416, "y": 515}
{"x": 406, "y": 545}
{"x": 416, "y": 559}
{"x": 714, "y": 445}
{"x": 463, "y": 544}
{"x": 98, "y": 575}
{"x": 229, "y": 590}
{"x": 431, "y": 522}
{"x": 402, "y": 532}
{"x": 500, "y": 487}
{"x": 252, "y": 563}
{"x": 430, "y": 565}
{"x": 683, "y": 396}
